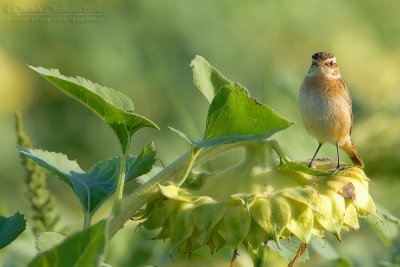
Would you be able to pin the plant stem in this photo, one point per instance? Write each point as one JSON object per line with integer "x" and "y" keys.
{"x": 277, "y": 148}
{"x": 86, "y": 220}
{"x": 260, "y": 260}
{"x": 256, "y": 154}
{"x": 147, "y": 192}
{"x": 188, "y": 167}
{"x": 120, "y": 187}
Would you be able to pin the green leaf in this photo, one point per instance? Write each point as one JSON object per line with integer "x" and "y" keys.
{"x": 207, "y": 78}
{"x": 112, "y": 106}
{"x": 11, "y": 228}
{"x": 83, "y": 249}
{"x": 234, "y": 116}
{"x": 96, "y": 185}
{"x": 181, "y": 134}
{"x": 48, "y": 240}
{"x": 295, "y": 166}
{"x": 288, "y": 249}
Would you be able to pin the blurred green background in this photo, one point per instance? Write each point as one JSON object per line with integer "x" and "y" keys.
{"x": 143, "y": 48}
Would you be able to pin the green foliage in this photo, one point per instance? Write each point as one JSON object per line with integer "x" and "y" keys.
{"x": 233, "y": 115}
{"x": 83, "y": 249}
{"x": 260, "y": 202}
{"x": 43, "y": 215}
{"x": 47, "y": 240}
{"x": 112, "y": 106}
{"x": 95, "y": 186}
{"x": 207, "y": 78}
{"x": 11, "y": 228}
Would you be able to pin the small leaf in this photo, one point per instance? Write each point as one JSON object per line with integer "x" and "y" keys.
{"x": 301, "y": 222}
{"x": 83, "y": 249}
{"x": 11, "y": 228}
{"x": 112, "y": 106}
{"x": 234, "y": 226}
{"x": 207, "y": 78}
{"x": 295, "y": 166}
{"x": 183, "y": 226}
{"x": 96, "y": 185}
{"x": 47, "y": 240}
{"x": 272, "y": 215}
{"x": 234, "y": 116}
{"x": 289, "y": 249}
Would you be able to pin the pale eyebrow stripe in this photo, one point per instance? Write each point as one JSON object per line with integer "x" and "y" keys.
{"x": 329, "y": 59}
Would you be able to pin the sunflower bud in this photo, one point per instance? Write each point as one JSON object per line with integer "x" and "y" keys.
{"x": 255, "y": 202}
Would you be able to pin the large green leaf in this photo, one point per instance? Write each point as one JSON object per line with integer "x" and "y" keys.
{"x": 96, "y": 185}
{"x": 11, "y": 228}
{"x": 112, "y": 106}
{"x": 235, "y": 116}
{"x": 207, "y": 78}
{"x": 83, "y": 249}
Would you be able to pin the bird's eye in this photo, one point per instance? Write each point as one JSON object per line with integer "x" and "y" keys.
{"x": 315, "y": 56}
{"x": 331, "y": 63}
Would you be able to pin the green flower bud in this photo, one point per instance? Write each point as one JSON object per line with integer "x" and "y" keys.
{"x": 255, "y": 202}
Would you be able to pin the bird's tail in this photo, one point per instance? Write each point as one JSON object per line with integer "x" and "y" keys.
{"x": 353, "y": 154}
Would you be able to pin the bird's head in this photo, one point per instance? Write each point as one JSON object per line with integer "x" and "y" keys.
{"x": 325, "y": 63}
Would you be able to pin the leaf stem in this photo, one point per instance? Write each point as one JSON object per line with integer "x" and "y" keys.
{"x": 120, "y": 187}
{"x": 188, "y": 167}
{"x": 260, "y": 258}
{"x": 278, "y": 149}
{"x": 87, "y": 220}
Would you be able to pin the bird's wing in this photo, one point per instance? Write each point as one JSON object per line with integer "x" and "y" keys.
{"x": 348, "y": 99}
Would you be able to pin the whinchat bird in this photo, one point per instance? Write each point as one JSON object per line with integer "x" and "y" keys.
{"x": 325, "y": 105}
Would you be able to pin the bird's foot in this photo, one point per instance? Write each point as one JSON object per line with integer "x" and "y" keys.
{"x": 335, "y": 170}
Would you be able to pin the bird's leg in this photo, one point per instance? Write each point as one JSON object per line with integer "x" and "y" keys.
{"x": 319, "y": 146}
{"x": 338, "y": 159}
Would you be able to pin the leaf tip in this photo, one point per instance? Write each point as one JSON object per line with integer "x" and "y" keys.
{"x": 32, "y": 67}
{"x": 196, "y": 58}
{"x": 181, "y": 134}
{"x": 155, "y": 126}
{"x": 23, "y": 150}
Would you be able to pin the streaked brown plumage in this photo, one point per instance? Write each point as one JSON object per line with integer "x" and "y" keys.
{"x": 325, "y": 105}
